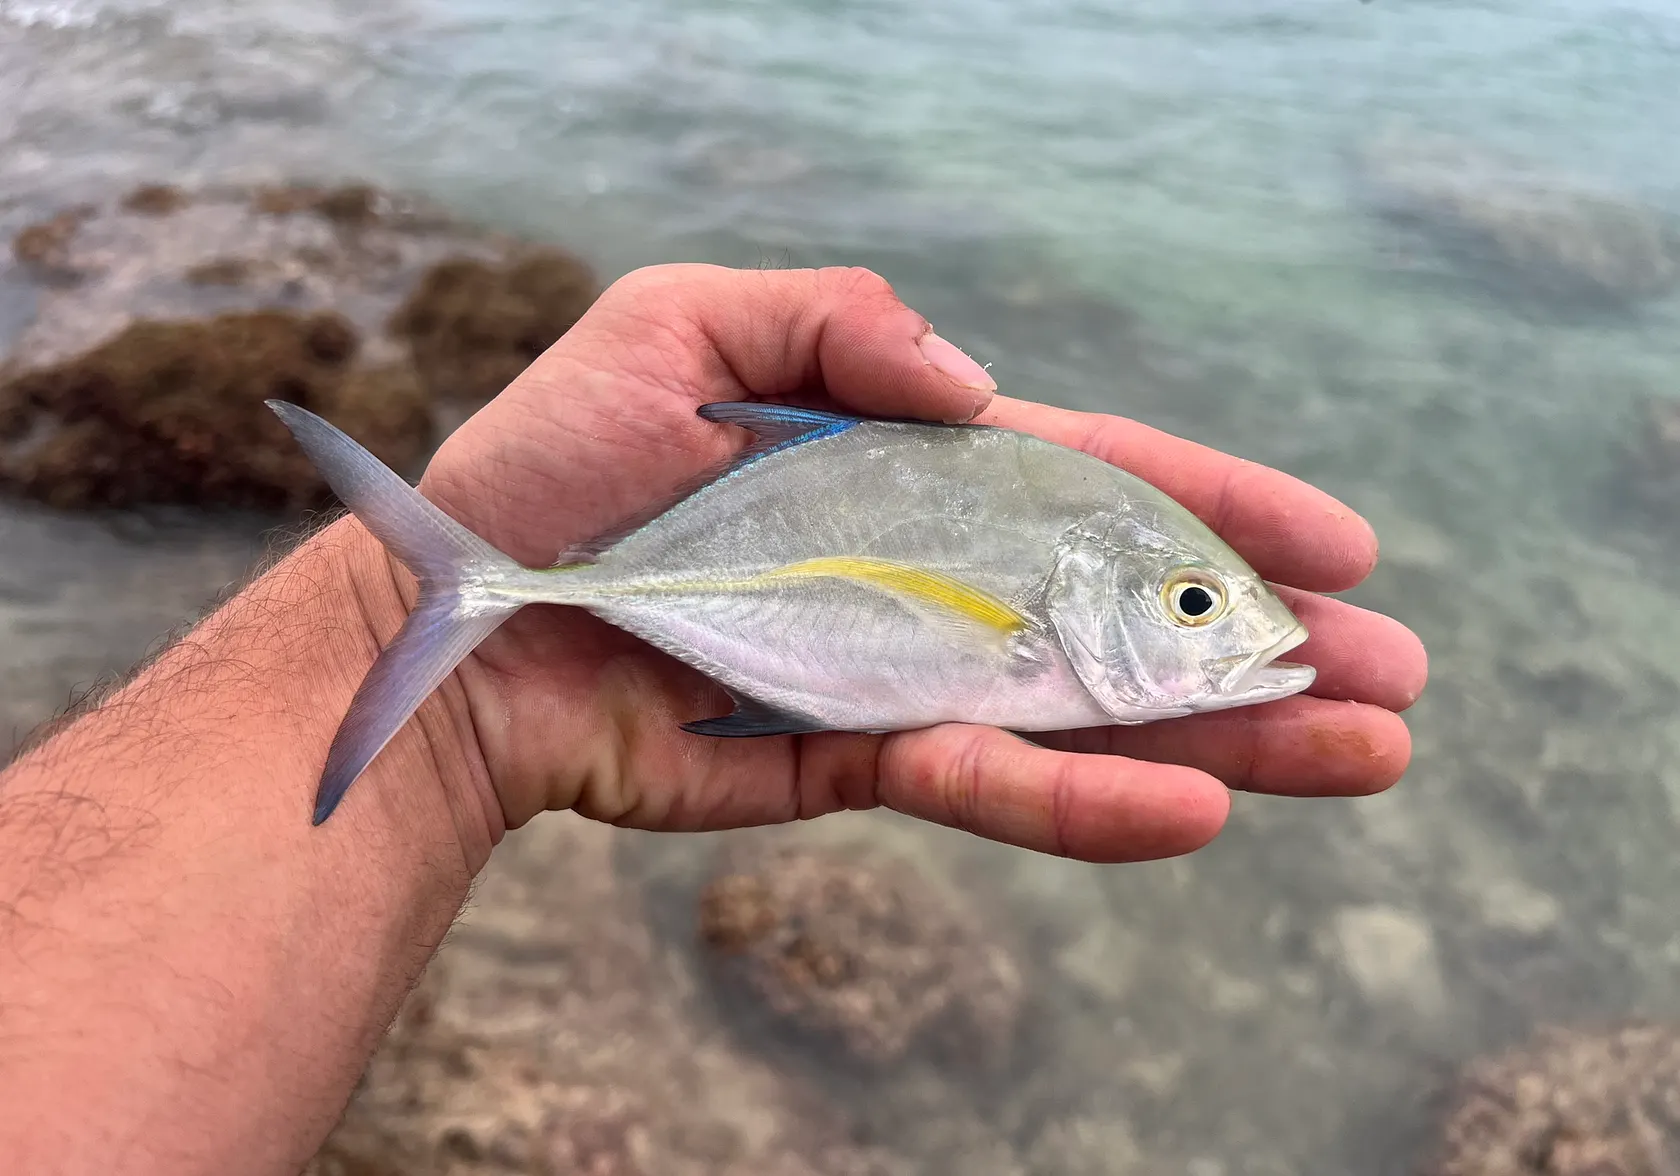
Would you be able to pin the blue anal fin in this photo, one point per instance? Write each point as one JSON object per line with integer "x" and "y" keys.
{"x": 751, "y": 719}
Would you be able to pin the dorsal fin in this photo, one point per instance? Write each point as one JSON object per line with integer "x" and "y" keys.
{"x": 777, "y": 426}
{"x": 774, "y": 422}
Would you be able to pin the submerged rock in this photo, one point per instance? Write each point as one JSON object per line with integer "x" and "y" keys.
{"x": 43, "y": 248}
{"x": 474, "y": 326}
{"x": 861, "y": 949}
{"x": 174, "y": 413}
{"x": 550, "y": 1037}
{"x": 1389, "y": 954}
{"x": 166, "y": 317}
{"x": 1547, "y": 233}
{"x": 156, "y": 199}
{"x": 350, "y": 205}
{"x": 1570, "y": 1103}
{"x": 1652, "y": 457}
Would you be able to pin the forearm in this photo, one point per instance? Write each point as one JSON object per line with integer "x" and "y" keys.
{"x": 191, "y": 975}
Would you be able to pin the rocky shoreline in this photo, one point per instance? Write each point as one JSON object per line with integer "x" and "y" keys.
{"x": 166, "y": 317}
{"x": 562, "y": 1029}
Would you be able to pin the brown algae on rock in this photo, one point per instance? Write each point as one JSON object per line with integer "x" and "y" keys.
{"x": 1572, "y": 1102}
{"x": 474, "y": 326}
{"x": 548, "y": 1037}
{"x": 166, "y": 318}
{"x": 156, "y": 200}
{"x": 44, "y": 247}
{"x": 348, "y": 204}
{"x": 859, "y": 948}
{"x": 173, "y": 413}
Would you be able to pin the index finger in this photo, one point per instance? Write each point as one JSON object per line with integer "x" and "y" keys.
{"x": 1289, "y": 531}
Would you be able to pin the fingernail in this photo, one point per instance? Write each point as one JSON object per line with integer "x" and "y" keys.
{"x": 949, "y": 358}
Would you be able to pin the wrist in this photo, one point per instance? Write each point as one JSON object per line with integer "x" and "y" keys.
{"x": 161, "y": 885}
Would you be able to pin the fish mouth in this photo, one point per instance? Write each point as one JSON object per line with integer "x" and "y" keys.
{"x": 1259, "y": 676}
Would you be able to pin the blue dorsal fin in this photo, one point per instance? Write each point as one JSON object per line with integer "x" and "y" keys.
{"x": 752, "y": 719}
{"x": 778, "y": 426}
{"x": 774, "y": 422}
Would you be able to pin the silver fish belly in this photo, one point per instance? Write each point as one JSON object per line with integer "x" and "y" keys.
{"x": 983, "y": 507}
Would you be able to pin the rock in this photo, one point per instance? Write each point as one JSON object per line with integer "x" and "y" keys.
{"x": 1552, "y": 234}
{"x": 468, "y": 1105}
{"x": 1651, "y": 474}
{"x": 474, "y": 326}
{"x": 173, "y": 412}
{"x": 859, "y": 948}
{"x": 167, "y": 316}
{"x": 1571, "y": 1102}
{"x": 368, "y": 1152}
{"x": 1086, "y": 1146}
{"x": 44, "y": 248}
{"x": 1510, "y": 905}
{"x": 548, "y": 1037}
{"x": 1389, "y": 954}
{"x": 351, "y": 205}
{"x": 156, "y": 199}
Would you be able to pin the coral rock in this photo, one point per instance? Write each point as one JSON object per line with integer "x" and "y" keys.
{"x": 45, "y": 247}
{"x": 860, "y": 948}
{"x": 165, "y": 319}
{"x": 547, "y": 1038}
{"x": 1554, "y": 234}
{"x": 474, "y": 326}
{"x": 155, "y": 200}
{"x": 173, "y": 412}
{"x": 1570, "y": 1103}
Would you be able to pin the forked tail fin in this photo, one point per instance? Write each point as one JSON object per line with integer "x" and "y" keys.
{"x": 454, "y": 613}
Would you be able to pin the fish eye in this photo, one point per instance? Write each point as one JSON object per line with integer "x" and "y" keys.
{"x": 1193, "y": 598}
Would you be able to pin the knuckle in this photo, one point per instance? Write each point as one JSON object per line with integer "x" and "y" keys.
{"x": 1103, "y": 440}
{"x": 639, "y": 283}
{"x": 855, "y": 282}
{"x": 959, "y": 786}
{"x": 1063, "y": 789}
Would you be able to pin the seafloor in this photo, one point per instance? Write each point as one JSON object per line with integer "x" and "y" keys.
{"x": 865, "y": 994}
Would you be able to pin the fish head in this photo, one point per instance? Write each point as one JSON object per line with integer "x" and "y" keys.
{"x": 1160, "y": 618}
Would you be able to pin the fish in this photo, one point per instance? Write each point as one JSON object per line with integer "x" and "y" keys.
{"x": 851, "y": 573}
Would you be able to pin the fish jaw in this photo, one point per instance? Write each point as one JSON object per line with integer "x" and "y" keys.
{"x": 1258, "y": 677}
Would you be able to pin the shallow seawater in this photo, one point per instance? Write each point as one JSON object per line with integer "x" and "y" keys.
{"x": 1148, "y": 209}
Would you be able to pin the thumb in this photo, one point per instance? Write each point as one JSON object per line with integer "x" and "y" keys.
{"x": 841, "y": 331}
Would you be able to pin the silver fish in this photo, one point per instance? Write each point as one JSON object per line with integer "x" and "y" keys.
{"x": 849, "y": 574}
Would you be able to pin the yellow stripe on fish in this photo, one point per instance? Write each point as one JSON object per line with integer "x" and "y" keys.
{"x": 908, "y": 580}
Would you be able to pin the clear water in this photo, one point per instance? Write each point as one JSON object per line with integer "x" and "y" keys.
{"x": 1145, "y": 208}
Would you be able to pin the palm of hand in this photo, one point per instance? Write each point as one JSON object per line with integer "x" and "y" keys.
{"x": 573, "y": 713}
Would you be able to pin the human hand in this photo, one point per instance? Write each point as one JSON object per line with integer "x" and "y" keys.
{"x": 570, "y": 712}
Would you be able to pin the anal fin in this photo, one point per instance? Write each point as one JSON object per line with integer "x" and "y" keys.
{"x": 752, "y": 719}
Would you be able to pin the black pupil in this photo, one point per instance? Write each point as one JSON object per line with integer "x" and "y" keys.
{"x": 1195, "y": 602}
